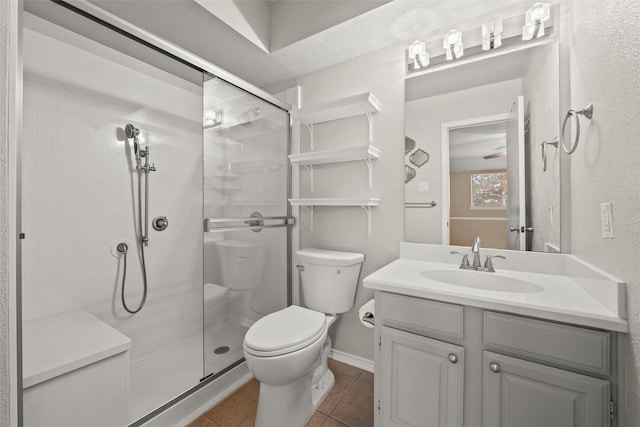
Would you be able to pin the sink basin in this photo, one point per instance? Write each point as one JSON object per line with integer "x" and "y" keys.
{"x": 481, "y": 280}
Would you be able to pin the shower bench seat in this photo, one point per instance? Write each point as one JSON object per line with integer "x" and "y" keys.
{"x": 75, "y": 371}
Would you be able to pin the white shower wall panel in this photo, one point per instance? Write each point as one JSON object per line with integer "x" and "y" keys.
{"x": 80, "y": 189}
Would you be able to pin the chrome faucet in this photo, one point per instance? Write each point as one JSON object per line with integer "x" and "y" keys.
{"x": 476, "y": 265}
{"x": 475, "y": 249}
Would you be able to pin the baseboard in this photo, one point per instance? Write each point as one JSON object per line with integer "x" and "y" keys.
{"x": 350, "y": 359}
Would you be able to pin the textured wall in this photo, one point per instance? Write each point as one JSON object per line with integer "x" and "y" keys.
{"x": 604, "y": 53}
{"x": 4, "y": 224}
{"x": 381, "y": 72}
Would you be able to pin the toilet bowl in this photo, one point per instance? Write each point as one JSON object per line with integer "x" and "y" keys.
{"x": 287, "y": 350}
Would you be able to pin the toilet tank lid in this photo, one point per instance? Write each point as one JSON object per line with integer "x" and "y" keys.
{"x": 238, "y": 244}
{"x": 327, "y": 257}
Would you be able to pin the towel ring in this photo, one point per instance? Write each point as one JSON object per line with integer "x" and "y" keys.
{"x": 587, "y": 111}
{"x": 553, "y": 142}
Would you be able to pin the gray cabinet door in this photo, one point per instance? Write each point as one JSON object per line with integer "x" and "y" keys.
{"x": 422, "y": 381}
{"x": 518, "y": 393}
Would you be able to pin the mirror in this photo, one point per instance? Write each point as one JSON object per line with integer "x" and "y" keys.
{"x": 476, "y": 165}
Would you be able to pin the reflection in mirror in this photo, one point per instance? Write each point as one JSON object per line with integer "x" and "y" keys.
{"x": 482, "y": 123}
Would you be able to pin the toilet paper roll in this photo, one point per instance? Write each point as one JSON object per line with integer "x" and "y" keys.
{"x": 366, "y": 314}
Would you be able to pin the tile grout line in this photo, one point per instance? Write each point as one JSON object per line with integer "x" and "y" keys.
{"x": 346, "y": 392}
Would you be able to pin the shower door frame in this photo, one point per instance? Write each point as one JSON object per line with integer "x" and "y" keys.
{"x": 14, "y": 206}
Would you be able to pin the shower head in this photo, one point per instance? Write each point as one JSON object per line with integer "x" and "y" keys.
{"x": 131, "y": 131}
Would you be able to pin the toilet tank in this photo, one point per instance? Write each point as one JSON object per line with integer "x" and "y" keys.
{"x": 241, "y": 264}
{"x": 329, "y": 279}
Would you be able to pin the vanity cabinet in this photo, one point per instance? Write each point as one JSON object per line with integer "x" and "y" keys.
{"x": 522, "y": 393}
{"x": 423, "y": 380}
{"x": 509, "y": 370}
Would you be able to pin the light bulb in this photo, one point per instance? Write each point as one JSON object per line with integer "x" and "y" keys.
{"x": 452, "y": 42}
{"x": 492, "y": 34}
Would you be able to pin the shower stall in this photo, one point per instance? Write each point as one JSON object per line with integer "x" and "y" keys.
{"x": 156, "y": 226}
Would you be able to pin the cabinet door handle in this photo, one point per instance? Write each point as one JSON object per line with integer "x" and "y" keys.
{"x": 494, "y": 367}
{"x": 453, "y": 358}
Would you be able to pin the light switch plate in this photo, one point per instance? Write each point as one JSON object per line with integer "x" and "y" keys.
{"x": 423, "y": 186}
{"x": 606, "y": 219}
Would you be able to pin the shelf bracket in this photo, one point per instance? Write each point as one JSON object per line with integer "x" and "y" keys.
{"x": 370, "y": 120}
{"x": 370, "y": 167}
{"x": 310, "y": 127}
{"x": 367, "y": 209}
{"x": 311, "y": 179}
{"x": 310, "y": 210}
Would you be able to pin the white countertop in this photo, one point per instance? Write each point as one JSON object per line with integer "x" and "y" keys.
{"x": 581, "y": 298}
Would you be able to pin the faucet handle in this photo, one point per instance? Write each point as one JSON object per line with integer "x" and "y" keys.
{"x": 465, "y": 258}
{"x": 489, "y": 264}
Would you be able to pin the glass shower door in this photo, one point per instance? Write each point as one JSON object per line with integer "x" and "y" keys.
{"x": 246, "y": 217}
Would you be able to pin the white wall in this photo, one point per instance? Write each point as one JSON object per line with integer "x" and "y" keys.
{"x": 423, "y": 122}
{"x": 382, "y": 73}
{"x": 80, "y": 188}
{"x": 4, "y": 220}
{"x": 604, "y": 40}
{"x": 541, "y": 90}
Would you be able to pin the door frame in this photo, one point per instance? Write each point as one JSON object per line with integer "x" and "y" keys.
{"x": 444, "y": 150}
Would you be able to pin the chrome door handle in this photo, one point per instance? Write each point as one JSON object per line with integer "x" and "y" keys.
{"x": 514, "y": 228}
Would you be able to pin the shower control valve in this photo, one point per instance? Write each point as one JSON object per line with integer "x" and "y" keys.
{"x": 160, "y": 223}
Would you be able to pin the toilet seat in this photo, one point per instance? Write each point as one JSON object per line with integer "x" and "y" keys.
{"x": 284, "y": 331}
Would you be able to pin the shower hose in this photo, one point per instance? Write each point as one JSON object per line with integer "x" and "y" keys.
{"x": 122, "y": 248}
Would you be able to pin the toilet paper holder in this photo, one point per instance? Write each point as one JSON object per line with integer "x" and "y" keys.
{"x": 368, "y": 317}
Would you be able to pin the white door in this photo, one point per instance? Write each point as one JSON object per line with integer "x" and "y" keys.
{"x": 422, "y": 381}
{"x": 518, "y": 393}
{"x": 516, "y": 200}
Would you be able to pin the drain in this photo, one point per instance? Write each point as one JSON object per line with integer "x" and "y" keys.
{"x": 221, "y": 350}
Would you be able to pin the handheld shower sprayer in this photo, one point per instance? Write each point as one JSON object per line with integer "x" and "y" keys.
{"x": 143, "y": 228}
{"x": 131, "y": 131}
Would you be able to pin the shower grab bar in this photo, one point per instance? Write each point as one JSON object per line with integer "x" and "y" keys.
{"x": 213, "y": 225}
{"x": 421, "y": 205}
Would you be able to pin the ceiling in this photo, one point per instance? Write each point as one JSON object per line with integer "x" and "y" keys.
{"x": 265, "y": 42}
{"x": 469, "y": 145}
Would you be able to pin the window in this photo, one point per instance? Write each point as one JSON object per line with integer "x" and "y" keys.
{"x": 489, "y": 190}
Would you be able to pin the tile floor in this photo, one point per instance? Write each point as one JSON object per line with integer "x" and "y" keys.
{"x": 349, "y": 404}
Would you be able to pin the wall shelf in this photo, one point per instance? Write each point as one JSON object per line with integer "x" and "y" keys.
{"x": 364, "y": 203}
{"x": 351, "y": 106}
{"x": 356, "y": 105}
{"x": 338, "y": 109}
{"x": 348, "y": 154}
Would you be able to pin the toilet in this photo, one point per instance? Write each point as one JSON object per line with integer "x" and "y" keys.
{"x": 216, "y": 306}
{"x": 241, "y": 266}
{"x": 287, "y": 350}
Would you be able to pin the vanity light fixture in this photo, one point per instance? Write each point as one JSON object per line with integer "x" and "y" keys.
{"x": 492, "y": 34}
{"x": 534, "y": 21}
{"x": 418, "y": 55}
{"x": 452, "y": 43}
